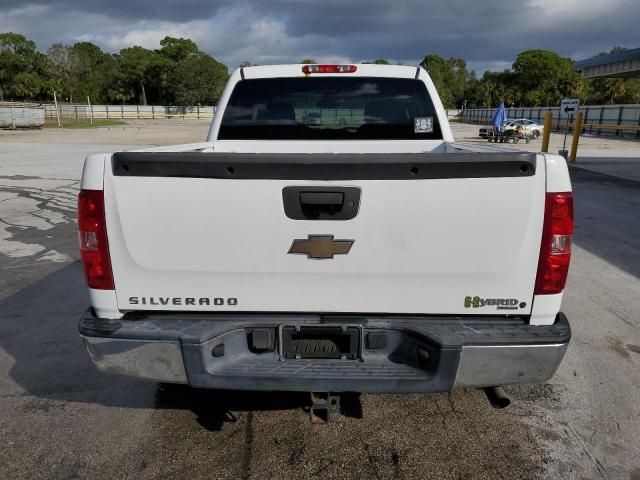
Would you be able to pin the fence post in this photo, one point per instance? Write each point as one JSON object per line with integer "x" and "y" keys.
{"x": 138, "y": 112}
{"x": 638, "y": 131}
{"x": 107, "y": 108}
{"x": 76, "y": 109}
{"x": 55, "y": 99}
{"x": 122, "y": 111}
{"x": 600, "y": 120}
{"x": 198, "y": 112}
{"x": 153, "y": 112}
{"x": 546, "y": 134}
{"x": 586, "y": 118}
{"x": 619, "y": 133}
{"x": 90, "y": 109}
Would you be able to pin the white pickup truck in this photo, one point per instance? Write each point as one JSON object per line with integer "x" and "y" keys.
{"x": 329, "y": 236}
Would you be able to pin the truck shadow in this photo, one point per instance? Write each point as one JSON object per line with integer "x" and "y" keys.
{"x": 38, "y": 329}
{"x": 607, "y": 218}
{"x": 214, "y": 408}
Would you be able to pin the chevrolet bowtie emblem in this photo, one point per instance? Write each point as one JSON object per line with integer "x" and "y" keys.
{"x": 320, "y": 246}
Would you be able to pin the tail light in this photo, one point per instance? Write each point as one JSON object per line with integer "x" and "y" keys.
{"x": 92, "y": 233}
{"x": 308, "y": 69}
{"x": 555, "y": 251}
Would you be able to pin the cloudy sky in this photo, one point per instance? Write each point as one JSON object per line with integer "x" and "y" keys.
{"x": 487, "y": 33}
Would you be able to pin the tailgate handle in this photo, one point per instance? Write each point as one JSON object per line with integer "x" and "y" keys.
{"x": 314, "y": 204}
{"x": 326, "y": 199}
{"x": 321, "y": 203}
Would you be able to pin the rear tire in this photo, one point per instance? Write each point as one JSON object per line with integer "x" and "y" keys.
{"x": 535, "y": 134}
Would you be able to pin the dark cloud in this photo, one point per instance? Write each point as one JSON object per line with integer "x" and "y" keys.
{"x": 169, "y": 10}
{"x": 487, "y": 33}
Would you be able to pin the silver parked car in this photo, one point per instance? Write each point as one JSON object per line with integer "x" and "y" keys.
{"x": 533, "y": 128}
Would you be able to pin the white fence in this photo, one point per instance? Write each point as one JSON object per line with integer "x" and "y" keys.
{"x": 598, "y": 119}
{"x": 84, "y": 111}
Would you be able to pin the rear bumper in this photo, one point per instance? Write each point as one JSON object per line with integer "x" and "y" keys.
{"x": 418, "y": 354}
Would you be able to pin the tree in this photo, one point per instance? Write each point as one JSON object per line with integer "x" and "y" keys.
{"x": 27, "y": 85}
{"x": 199, "y": 80}
{"x": 308, "y": 61}
{"x": 178, "y": 49}
{"x": 135, "y": 64}
{"x": 60, "y": 71}
{"x": 543, "y": 77}
{"x": 177, "y": 72}
{"x": 457, "y": 80}
{"x": 16, "y": 44}
{"x": 22, "y": 68}
{"x": 478, "y": 94}
{"x": 185, "y": 75}
{"x": 437, "y": 68}
{"x": 380, "y": 61}
{"x": 91, "y": 70}
{"x": 450, "y": 78}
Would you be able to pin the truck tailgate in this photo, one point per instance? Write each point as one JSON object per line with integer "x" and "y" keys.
{"x": 426, "y": 233}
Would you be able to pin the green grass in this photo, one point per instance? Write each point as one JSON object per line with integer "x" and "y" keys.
{"x": 83, "y": 123}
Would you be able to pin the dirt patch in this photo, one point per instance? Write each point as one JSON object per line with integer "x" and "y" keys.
{"x": 399, "y": 436}
{"x": 534, "y": 393}
{"x": 617, "y": 346}
{"x": 633, "y": 348}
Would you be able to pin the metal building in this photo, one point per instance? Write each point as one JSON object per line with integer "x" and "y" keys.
{"x": 622, "y": 64}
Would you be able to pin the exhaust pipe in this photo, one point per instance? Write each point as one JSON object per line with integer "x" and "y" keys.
{"x": 497, "y": 397}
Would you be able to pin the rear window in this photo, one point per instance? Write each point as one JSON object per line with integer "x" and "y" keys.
{"x": 330, "y": 108}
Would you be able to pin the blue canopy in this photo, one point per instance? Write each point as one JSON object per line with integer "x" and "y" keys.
{"x": 499, "y": 118}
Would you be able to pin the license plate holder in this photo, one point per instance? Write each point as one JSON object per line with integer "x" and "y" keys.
{"x": 320, "y": 342}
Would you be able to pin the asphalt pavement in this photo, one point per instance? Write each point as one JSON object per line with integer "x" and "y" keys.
{"x": 61, "y": 419}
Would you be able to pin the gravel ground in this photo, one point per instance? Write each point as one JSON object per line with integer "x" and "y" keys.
{"x": 63, "y": 419}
